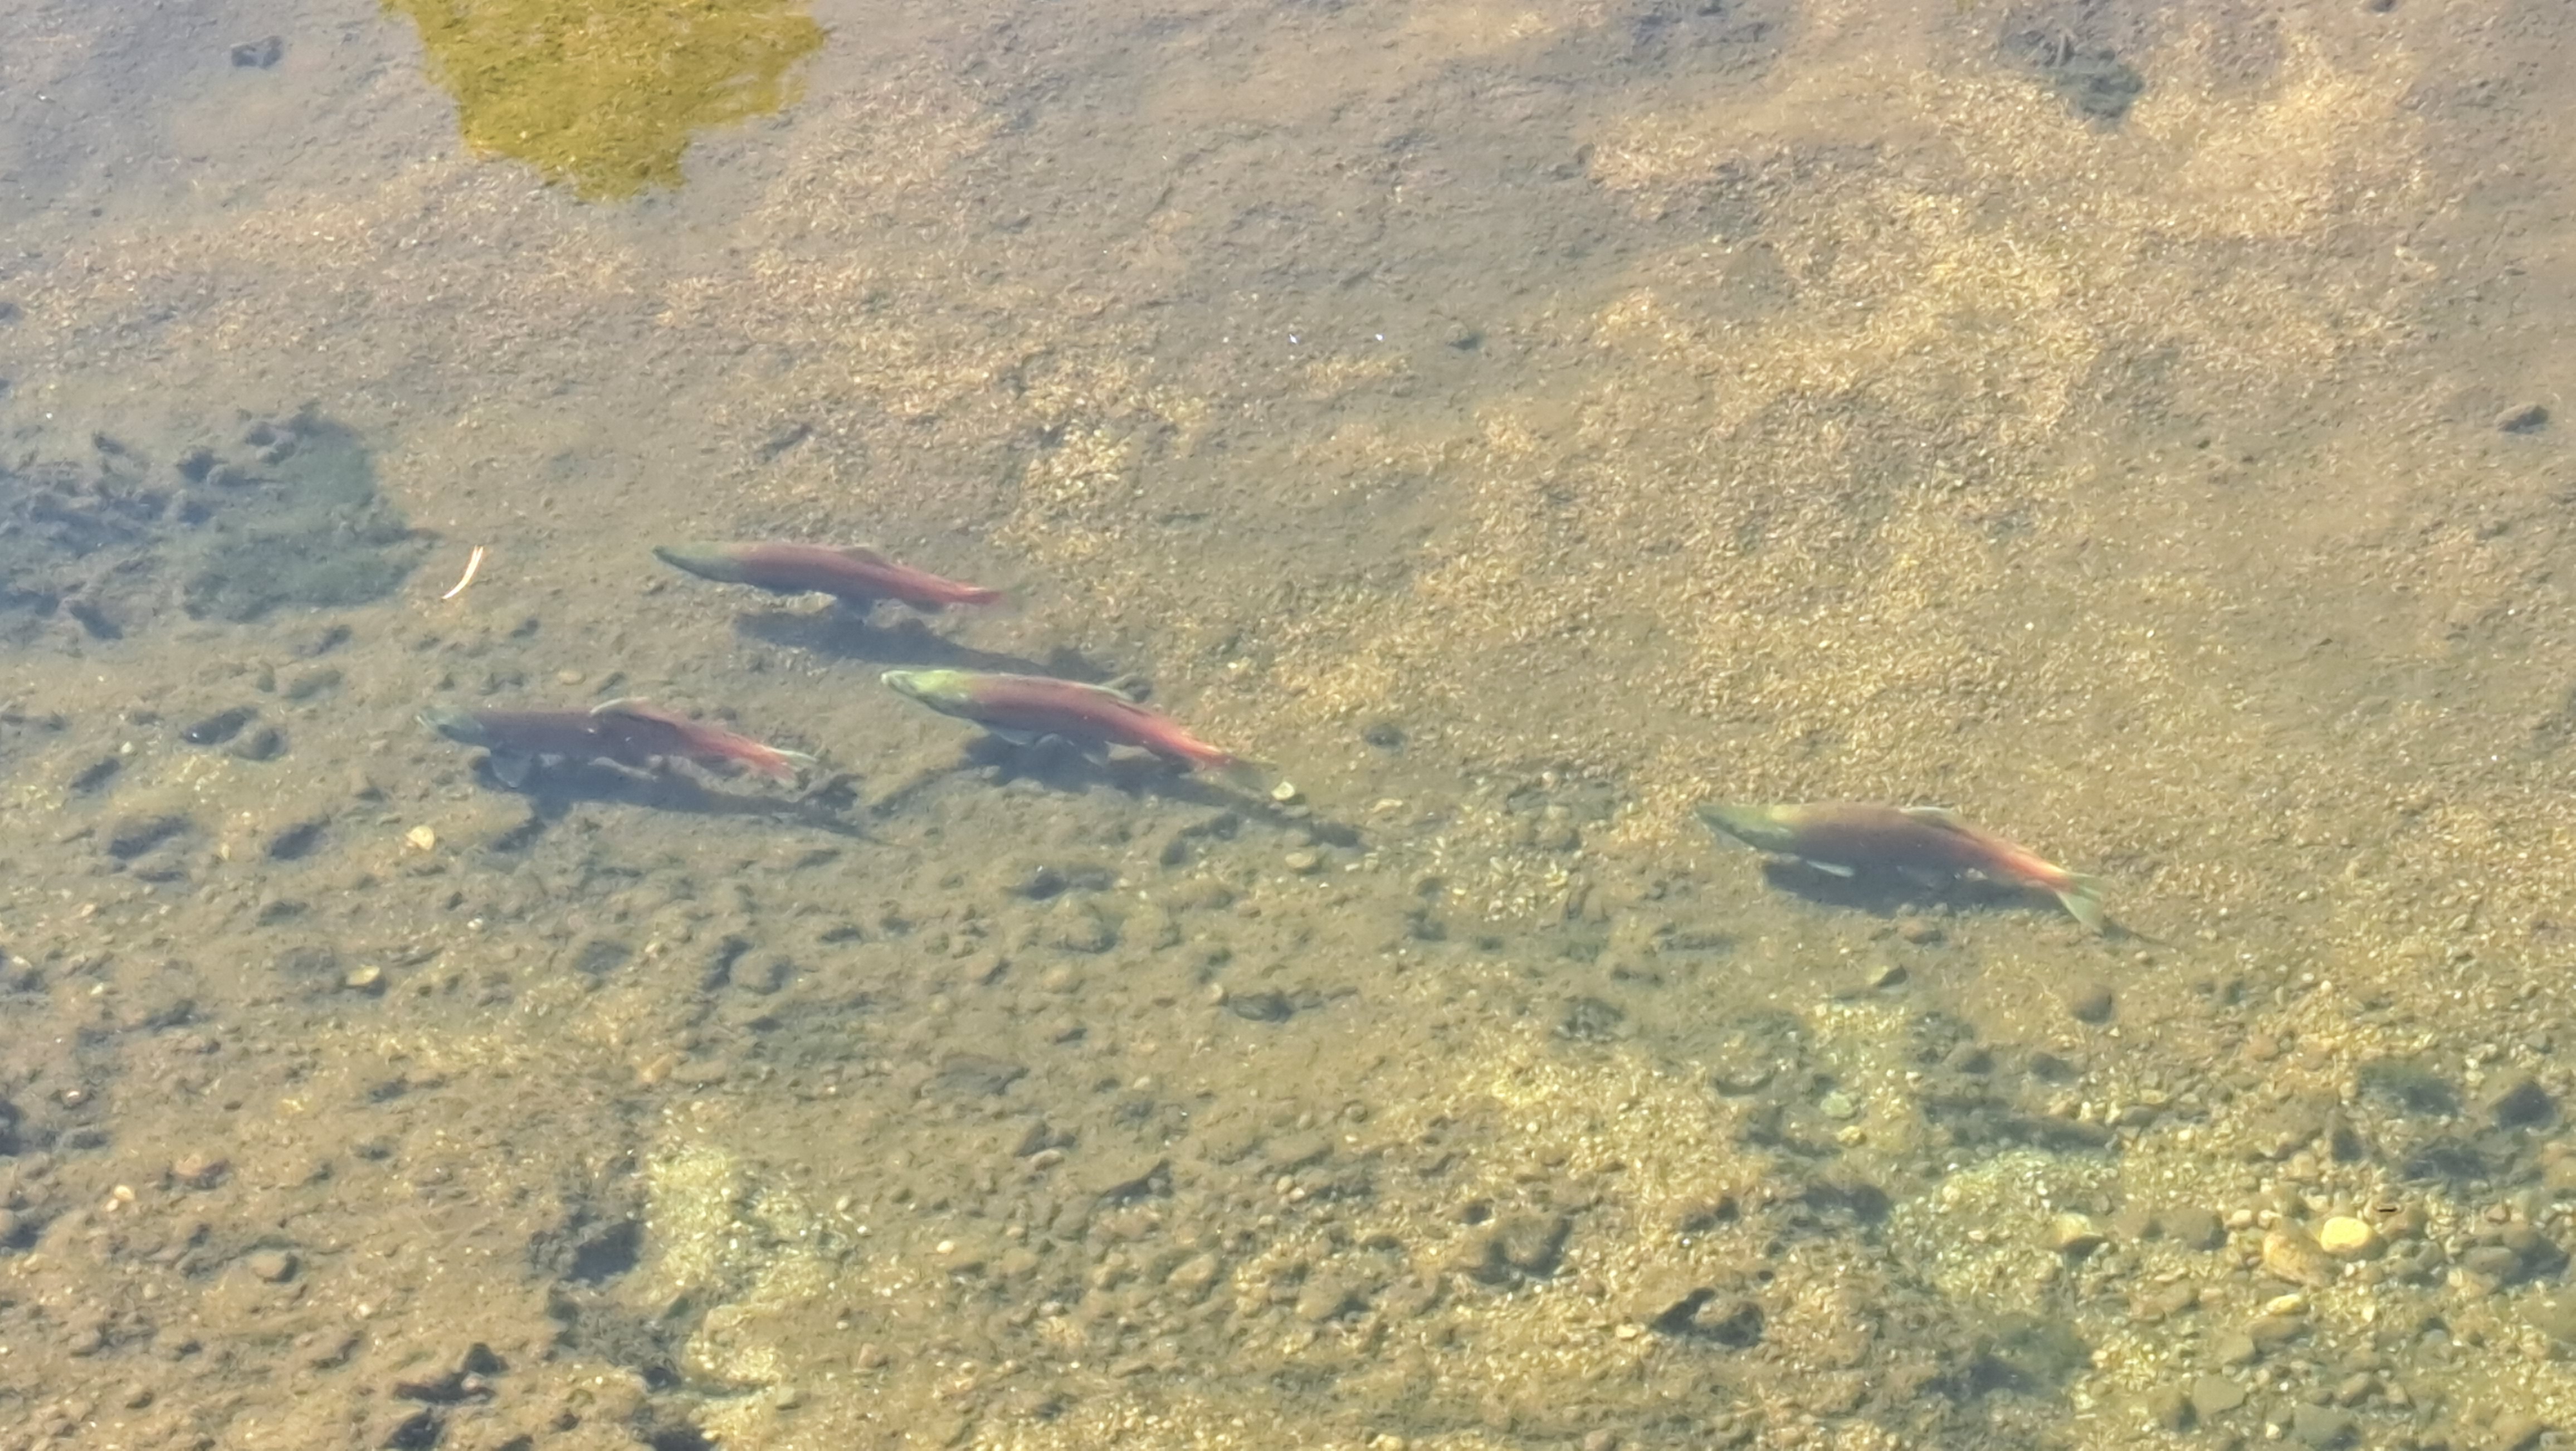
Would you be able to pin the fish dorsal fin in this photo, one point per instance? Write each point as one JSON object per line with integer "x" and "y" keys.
{"x": 622, "y": 705}
{"x": 1937, "y": 816}
{"x": 864, "y": 554}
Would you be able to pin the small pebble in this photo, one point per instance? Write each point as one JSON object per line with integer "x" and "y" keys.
{"x": 273, "y": 1265}
{"x": 367, "y": 978}
{"x": 2347, "y": 1238}
{"x": 421, "y": 838}
{"x": 2289, "y": 1254}
{"x": 2074, "y": 1234}
{"x": 1303, "y": 863}
{"x": 1285, "y": 793}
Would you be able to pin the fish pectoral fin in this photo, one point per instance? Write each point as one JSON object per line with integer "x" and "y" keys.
{"x": 1928, "y": 878}
{"x": 1831, "y": 869}
{"x": 510, "y": 768}
{"x": 2082, "y": 896}
{"x": 1016, "y": 738}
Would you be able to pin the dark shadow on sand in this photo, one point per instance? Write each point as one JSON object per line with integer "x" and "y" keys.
{"x": 849, "y": 635}
{"x": 1891, "y": 894}
{"x": 1060, "y": 765}
{"x": 553, "y": 789}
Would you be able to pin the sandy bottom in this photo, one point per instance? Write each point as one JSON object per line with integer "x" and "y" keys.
{"x": 2137, "y": 427}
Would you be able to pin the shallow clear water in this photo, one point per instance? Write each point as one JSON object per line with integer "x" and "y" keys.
{"x": 2128, "y": 425}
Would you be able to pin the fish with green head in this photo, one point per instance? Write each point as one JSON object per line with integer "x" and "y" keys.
{"x": 1847, "y": 838}
{"x": 1022, "y": 708}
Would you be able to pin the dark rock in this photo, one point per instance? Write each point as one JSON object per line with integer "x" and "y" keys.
{"x": 1703, "y": 1314}
{"x": 296, "y": 840}
{"x": 276, "y": 1266}
{"x": 2091, "y": 1004}
{"x": 1527, "y": 1243}
{"x": 1329, "y": 1296}
{"x": 1267, "y": 1006}
{"x": 259, "y": 54}
{"x": 972, "y": 1075}
{"x": 2323, "y": 1427}
{"x": 2027, "y": 1354}
{"x": 2215, "y": 1395}
{"x": 2270, "y": 1332}
{"x": 220, "y": 727}
{"x": 1144, "y": 1176}
{"x": 2494, "y": 1261}
{"x": 129, "y": 837}
{"x": 2169, "y": 1408}
{"x": 2523, "y": 418}
{"x": 395, "y": 1429}
{"x": 2193, "y": 1228}
{"x": 1590, "y": 1020}
{"x": 2409, "y": 1086}
{"x": 265, "y": 743}
{"x": 2518, "y": 1101}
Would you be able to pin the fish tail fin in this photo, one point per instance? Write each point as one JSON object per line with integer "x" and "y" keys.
{"x": 2083, "y": 898}
{"x": 775, "y": 762}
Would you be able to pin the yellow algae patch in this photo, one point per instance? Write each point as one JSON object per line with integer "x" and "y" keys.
{"x": 605, "y": 95}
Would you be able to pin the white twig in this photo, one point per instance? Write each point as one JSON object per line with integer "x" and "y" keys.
{"x": 473, "y": 562}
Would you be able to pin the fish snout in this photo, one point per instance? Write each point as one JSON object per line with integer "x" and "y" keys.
{"x": 707, "y": 561}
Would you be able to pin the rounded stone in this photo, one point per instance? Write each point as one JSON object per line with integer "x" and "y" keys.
{"x": 2347, "y": 1238}
{"x": 2215, "y": 1395}
{"x": 2293, "y": 1256}
{"x": 2074, "y": 1234}
{"x": 273, "y": 1265}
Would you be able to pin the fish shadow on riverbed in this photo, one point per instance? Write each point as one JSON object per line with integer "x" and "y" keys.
{"x": 552, "y": 790}
{"x": 1893, "y": 894}
{"x": 850, "y": 635}
{"x": 1063, "y": 766}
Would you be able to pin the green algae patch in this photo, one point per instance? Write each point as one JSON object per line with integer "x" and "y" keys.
{"x": 605, "y": 95}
